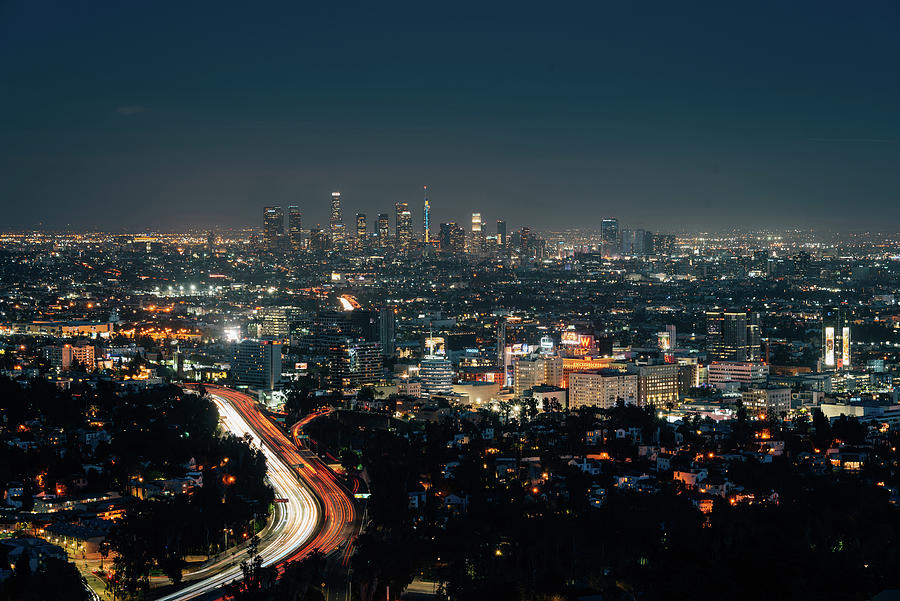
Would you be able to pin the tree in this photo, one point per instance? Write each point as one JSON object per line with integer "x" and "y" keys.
{"x": 349, "y": 460}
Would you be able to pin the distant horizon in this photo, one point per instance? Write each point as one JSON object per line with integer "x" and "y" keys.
{"x": 199, "y": 230}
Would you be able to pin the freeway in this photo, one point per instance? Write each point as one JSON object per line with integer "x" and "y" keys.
{"x": 340, "y": 516}
{"x": 297, "y": 526}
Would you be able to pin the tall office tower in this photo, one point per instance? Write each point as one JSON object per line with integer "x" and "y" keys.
{"x": 336, "y": 223}
{"x": 360, "y": 227}
{"x": 836, "y": 339}
{"x": 257, "y": 364}
{"x": 276, "y": 322}
{"x": 384, "y": 229}
{"x": 501, "y": 343}
{"x": 726, "y": 335}
{"x": 754, "y": 336}
{"x": 387, "y": 331}
{"x": 672, "y": 332}
{"x": 426, "y": 219}
{"x": 354, "y": 363}
{"x": 663, "y": 244}
{"x": 537, "y": 370}
{"x": 404, "y": 226}
{"x": 609, "y": 237}
{"x": 452, "y": 238}
{"x": 295, "y": 227}
{"x": 210, "y": 241}
{"x": 502, "y": 240}
{"x": 525, "y": 241}
{"x": 477, "y": 234}
{"x": 273, "y": 226}
{"x": 637, "y": 243}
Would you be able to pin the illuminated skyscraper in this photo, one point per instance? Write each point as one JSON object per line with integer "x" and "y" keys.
{"x": 525, "y": 241}
{"x": 426, "y": 218}
{"x": 609, "y": 237}
{"x": 502, "y": 240}
{"x": 384, "y": 229}
{"x": 477, "y": 234}
{"x": 836, "y": 339}
{"x": 273, "y": 226}
{"x": 360, "y": 227}
{"x": 733, "y": 335}
{"x": 404, "y": 226}
{"x": 336, "y": 223}
{"x": 452, "y": 238}
{"x": 295, "y": 227}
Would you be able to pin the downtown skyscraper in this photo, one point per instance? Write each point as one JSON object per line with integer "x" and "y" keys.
{"x": 404, "y": 226}
{"x": 336, "y": 223}
{"x": 295, "y": 227}
{"x": 273, "y": 226}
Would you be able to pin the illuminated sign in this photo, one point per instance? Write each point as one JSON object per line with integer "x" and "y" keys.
{"x": 576, "y": 339}
{"x": 829, "y": 346}
{"x": 845, "y": 347}
{"x": 662, "y": 340}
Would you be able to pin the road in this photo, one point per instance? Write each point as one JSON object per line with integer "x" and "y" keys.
{"x": 298, "y": 526}
{"x": 340, "y": 515}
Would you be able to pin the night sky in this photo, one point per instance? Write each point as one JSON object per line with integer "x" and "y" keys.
{"x": 669, "y": 115}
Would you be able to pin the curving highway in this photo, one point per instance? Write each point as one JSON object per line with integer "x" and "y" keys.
{"x": 317, "y": 513}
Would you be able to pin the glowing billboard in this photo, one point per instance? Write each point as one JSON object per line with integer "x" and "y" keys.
{"x": 829, "y": 346}
{"x": 845, "y": 347}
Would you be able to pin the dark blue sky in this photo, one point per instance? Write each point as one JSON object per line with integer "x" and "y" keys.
{"x": 668, "y": 115}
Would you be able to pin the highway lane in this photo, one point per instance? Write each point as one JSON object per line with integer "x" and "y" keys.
{"x": 337, "y": 511}
{"x": 340, "y": 514}
{"x": 295, "y": 522}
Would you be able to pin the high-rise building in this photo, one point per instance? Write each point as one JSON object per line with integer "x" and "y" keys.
{"x": 336, "y": 223}
{"x": 387, "y": 326}
{"x": 733, "y": 335}
{"x": 360, "y": 227}
{"x": 658, "y": 385}
{"x": 295, "y": 227}
{"x": 663, "y": 244}
{"x": 275, "y": 322}
{"x": 273, "y": 226}
{"x": 754, "y": 336}
{"x": 502, "y": 240}
{"x": 426, "y": 219}
{"x": 404, "y": 226}
{"x": 609, "y": 237}
{"x": 384, "y": 229}
{"x": 354, "y": 363}
{"x": 602, "y": 388}
{"x": 836, "y": 339}
{"x": 257, "y": 364}
{"x": 436, "y": 373}
{"x": 744, "y": 373}
{"x": 537, "y": 370}
{"x": 452, "y": 238}
{"x": 637, "y": 243}
{"x": 477, "y": 240}
{"x": 771, "y": 400}
{"x": 64, "y": 356}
